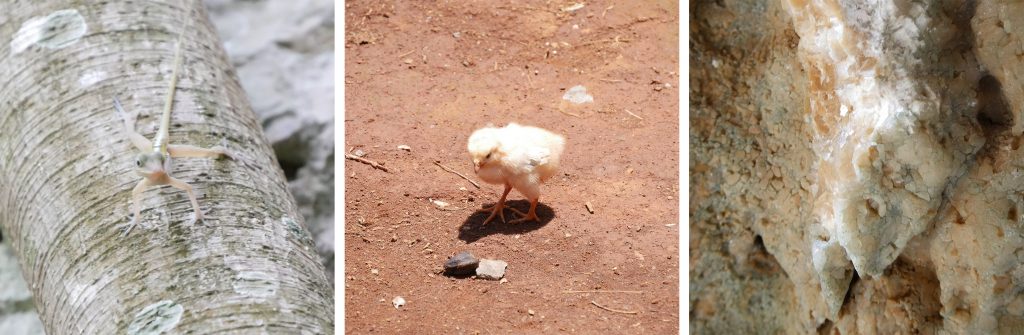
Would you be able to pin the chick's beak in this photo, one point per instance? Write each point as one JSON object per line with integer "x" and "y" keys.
{"x": 476, "y": 166}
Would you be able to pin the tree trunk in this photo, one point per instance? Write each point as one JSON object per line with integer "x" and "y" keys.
{"x": 67, "y": 170}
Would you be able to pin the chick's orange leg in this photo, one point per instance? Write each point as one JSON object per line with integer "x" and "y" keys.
{"x": 529, "y": 216}
{"x": 497, "y": 208}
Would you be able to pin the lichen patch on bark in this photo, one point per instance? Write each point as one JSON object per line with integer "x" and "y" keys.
{"x": 156, "y": 318}
{"x": 256, "y": 284}
{"x": 57, "y": 30}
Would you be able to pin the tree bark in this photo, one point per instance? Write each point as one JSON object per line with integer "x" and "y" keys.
{"x": 67, "y": 170}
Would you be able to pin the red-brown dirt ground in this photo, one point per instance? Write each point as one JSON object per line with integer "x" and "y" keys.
{"x": 425, "y": 75}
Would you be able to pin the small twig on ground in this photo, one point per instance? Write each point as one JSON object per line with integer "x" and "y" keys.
{"x": 442, "y": 205}
{"x": 590, "y": 208}
{"x": 611, "y": 310}
{"x": 375, "y": 165}
{"x": 603, "y": 291}
{"x": 610, "y": 40}
{"x": 526, "y": 7}
{"x": 459, "y": 174}
{"x": 567, "y": 113}
{"x": 593, "y": 42}
{"x": 610, "y": 80}
{"x": 406, "y": 54}
{"x": 634, "y": 115}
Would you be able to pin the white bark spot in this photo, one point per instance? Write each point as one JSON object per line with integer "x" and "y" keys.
{"x": 156, "y": 318}
{"x": 256, "y": 284}
{"x": 91, "y": 77}
{"x": 57, "y": 30}
{"x": 85, "y": 294}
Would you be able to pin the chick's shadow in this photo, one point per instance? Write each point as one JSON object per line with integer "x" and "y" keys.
{"x": 474, "y": 228}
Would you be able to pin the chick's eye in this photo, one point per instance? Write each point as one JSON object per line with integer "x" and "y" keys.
{"x": 488, "y": 156}
{"x": 138, "y": 162}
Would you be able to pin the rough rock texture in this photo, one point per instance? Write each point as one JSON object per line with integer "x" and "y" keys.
{"x": 998, "y": 28}
{"x": 855, "y": 167}
{"x": 889, "y": 91}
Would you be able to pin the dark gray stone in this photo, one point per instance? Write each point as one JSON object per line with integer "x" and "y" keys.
{"x": 461, "y": 264}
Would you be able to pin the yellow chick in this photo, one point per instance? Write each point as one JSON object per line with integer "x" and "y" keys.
{"x": 516, "y": 156}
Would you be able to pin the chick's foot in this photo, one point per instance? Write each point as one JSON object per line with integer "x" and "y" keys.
{"x": 529, "y": 216}
{"x": 495, "y": 210}
{"x": 532, "y": 216}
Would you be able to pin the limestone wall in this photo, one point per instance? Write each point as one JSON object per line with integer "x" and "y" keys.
{"x": 854, "y": 166}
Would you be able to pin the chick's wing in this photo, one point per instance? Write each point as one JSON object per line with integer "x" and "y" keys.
{"x": 537, "y": 156}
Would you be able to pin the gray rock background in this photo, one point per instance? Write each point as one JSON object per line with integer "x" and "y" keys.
{"x": 17, "y": 312}
{"x": 284, "y": 54}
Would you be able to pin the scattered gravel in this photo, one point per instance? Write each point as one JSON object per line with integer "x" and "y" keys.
{"x": 578, "y": 95}
{"x": 398, "y": 302}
